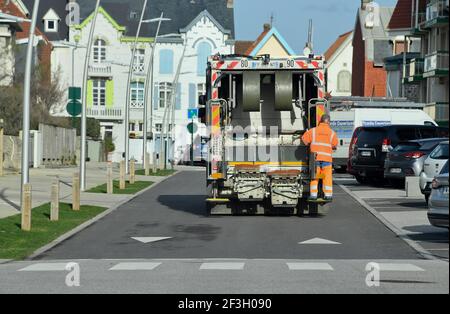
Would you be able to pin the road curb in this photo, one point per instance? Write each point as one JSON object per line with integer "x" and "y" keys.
{"x": 5, "y": 261}
{"x": 90, "y": 222}
{"x": 398, "y": 232}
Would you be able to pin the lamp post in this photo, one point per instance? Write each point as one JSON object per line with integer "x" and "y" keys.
{"x": 130, "y": 75}
{"x": 26, "y": 100}
{"x": 84, "y": 104}
{"x": 149, "y": 88}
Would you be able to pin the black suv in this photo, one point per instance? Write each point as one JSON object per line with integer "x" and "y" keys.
{"x": 370, "y": 145}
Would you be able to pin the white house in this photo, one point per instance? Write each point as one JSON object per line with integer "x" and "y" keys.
{"x": 199, "y": 31}
{"x": 339, "y": 66}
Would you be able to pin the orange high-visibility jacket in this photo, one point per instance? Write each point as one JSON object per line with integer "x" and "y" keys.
{"x": 322, "y": 140}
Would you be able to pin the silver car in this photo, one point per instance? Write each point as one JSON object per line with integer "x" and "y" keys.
{"x": 438, "y": 205}
{"x": 432, "y": 167}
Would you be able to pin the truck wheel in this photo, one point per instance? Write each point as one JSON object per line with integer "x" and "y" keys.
{"x": 361, "y": 179}
{"x": 313, "y": 209}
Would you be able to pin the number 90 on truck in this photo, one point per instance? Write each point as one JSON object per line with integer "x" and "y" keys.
{"x": 256, "y": 110}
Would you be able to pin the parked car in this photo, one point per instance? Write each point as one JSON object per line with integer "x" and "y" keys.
{"x": 432, "y": 167}
{"x": 407, "y": 159}
{"x": 438, "y": 205}
{"x": 370, "y": 146}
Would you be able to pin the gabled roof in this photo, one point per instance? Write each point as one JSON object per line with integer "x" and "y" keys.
{"x": 51, "y": 15}
{"x": 336, "y": 45}
{"x": 241, "y": 46}
{"x": 202, "y": 15}
{"x": 182, "y": 13}
{"x": 401, "y": 18}
{"x": 264, "y": 38}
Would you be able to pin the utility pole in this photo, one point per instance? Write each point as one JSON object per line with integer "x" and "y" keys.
{"x": 127, "y": 106}
{"x": 26, "y": 101}
{"x": 85, "y": 97}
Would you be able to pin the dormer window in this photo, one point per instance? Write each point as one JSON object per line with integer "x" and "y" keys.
{"x": 51, "y": 21}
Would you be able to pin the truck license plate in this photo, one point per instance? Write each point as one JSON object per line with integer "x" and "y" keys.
{"x": 396, "y": 170}
{"x": 366, "y": 153}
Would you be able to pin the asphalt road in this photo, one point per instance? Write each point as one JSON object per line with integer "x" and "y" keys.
{"x": 189, "y": 252}
{"x": 176, "y": 209}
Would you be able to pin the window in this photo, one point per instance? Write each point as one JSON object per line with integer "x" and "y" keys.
{"x": 158, "y": 127}
{"x": 166, "y": 61}
{"x": 137, "y": 95}
{"x": 165, "y": 94}
{"x": 99, "y": 51}
{"x": 141, "y": 126}
{"x": 201, "y": 90}
{"x": 51, "y": 26}
{"x": 99, "y": 92}
{"x": 204, "y": 50}
{"x": 131, "y": 127}
{"x": 344, "y": 82}
{"x": 139, "y": 61}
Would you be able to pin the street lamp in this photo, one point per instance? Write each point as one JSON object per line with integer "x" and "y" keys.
{"x": 12, "y": 18}
{"x": 127, "y": 102}
{"x": 149, "y": 86}
{"x": 85, "y": 97}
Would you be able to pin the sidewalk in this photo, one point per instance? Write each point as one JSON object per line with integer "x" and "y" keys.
{"x": 42, "y": 179}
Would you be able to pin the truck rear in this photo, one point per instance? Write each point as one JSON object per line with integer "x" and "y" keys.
{"x": 256, "y": 110}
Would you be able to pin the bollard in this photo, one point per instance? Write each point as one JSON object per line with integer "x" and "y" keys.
{"x": 132, "y": 171}
{"x": 26, "y": 207}
{"x": 109, "y": 179}
{"x": 122, "y": 175}
{"x": 147, "y": 164}
{"x": 54, "y": 206}
{"x": 76, "y": 192}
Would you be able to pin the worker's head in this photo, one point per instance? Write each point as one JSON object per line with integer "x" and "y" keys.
{"x": 325, "y": 119}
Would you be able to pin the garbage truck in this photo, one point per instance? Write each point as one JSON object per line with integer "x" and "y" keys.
{"x": 256, "y": 109}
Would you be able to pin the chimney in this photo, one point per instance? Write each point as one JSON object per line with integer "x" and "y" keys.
{"x": 364, "y": 3}
{"x": 267, "y": 27}
{"x": 230, "y": 4}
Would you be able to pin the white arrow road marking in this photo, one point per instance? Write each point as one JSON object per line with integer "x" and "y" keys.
{"x": 222, "y": 266}
{"x": 310, "y": 266}
{"x": 135, "y": 266}
{"x": 318, "y": 241}
{"x": 150, "y": 239}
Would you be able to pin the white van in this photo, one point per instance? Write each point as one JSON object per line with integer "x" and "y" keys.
{"x": 353, "y": 112}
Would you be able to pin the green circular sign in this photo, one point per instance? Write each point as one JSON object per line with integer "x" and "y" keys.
{"x": 192, "y": 128}
{"x": 74, "y": 108}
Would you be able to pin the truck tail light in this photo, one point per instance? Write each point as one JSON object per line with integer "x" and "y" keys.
{"x": 386, "y": 145}
{"x": 413, "y": 155}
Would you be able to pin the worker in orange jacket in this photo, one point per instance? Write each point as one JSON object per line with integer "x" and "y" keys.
{"x": 322, "y": 141}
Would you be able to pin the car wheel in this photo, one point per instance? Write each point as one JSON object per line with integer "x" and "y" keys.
{"x": 361, "y": 179}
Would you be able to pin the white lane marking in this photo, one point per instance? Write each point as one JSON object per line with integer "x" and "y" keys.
{"x": 150, "y": 239}
{"x": 135, "y": 266}
{"x": 45, "y": 267}
{"x": 310, "y": 266}
{"x": 222, "y": 266}
{"x": 400, "y": 267}
{"x": 319, "y": 241}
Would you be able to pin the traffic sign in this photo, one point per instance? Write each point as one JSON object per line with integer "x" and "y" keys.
{"x": 192, "y": 128}
{"x": 192, "y": 114}
{"x": 75, "y": 93}
{"x": 74, "y": 108}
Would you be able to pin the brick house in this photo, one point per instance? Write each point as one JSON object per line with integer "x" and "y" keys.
{"x": 371, "y": 45}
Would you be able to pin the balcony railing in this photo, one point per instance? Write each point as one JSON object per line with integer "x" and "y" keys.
{"x": 414, "y": 70}
{"x": 104, "y": 113}
{"x": 437, "y": 11}
{"x": 136, "y": 104}
{"x": 436, "y": 63}
{"x": 100, "y": 69}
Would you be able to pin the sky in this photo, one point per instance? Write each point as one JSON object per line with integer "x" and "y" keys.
{"x": 331, "y": 18}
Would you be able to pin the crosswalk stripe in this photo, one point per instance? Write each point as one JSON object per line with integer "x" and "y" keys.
{"x": 135, "y": 266}
{"x": 222, "y": 266}
{"x": 45, "y": 267}
{"x": 400, "y": 267}
{"x": 310, "y": 266}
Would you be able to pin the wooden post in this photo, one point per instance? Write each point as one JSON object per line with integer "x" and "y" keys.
{"x": 122, "y": 175}
{"x": 1, "y": 150}
{"x": 76, "y": 192}
{"x": 54, "y": 208}
{"x": 26, "y": 207}
{"x": 147, "y": 164}
{"x": 109, "y": 180}
{"x": 132, "y": 171}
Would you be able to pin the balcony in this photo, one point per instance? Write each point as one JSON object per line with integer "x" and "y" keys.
{"x": 436, "y": 64}
{"x": 414, "y": 71}
{"x": 436, "y": 13}
{"x": 439, "y": 112}
{"x": 136, "y": 104}
{"x": 100, "y": 70}
{"x": 103, "y": 113}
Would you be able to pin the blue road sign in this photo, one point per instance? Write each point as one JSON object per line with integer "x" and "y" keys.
{"x": 192, "y": 114}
